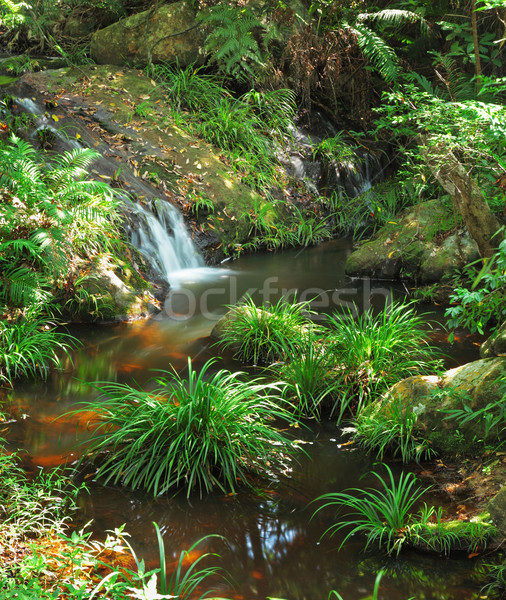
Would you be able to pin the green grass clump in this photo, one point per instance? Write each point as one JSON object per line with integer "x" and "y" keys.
{"x": 382, "y": 515}
{"x": 30, "y": 347}
{"x": 378, "y": 350}
{"x": 309, "y": 376}
{"x": 392, "y": 431}
{"x": 264, "y": 335}
{"x": 203, "y": 432}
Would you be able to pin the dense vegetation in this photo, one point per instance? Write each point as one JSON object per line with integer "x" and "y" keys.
{"x": 422, "y": 81}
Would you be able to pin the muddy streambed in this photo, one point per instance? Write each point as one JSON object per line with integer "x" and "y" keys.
{"x": 272, "y": 547}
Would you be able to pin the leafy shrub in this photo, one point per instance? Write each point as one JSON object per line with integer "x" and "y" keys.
{"x": 264, "y": 335}
{"x": 206, "y": 431}
{"x": 485, "y": 302}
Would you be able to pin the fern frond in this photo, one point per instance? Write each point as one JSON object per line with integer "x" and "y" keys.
{"x": 424, "y": 84}
{"x": 376, "y": 50}
{"x": 396, "y": 18}
{"x": 457, "y": 84}
{"x": 20, "y": 286}
{"x": 74, "y": 163}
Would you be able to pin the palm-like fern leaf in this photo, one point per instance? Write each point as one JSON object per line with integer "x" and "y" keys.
{"x": 395, "y": 18}
{"x": 376, "y": 50}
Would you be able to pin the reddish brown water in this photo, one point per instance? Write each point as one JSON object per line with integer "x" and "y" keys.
{"x": 273, "y": 548}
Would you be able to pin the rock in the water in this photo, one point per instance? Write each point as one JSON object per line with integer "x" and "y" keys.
{"x": 495, "y": 345}
{"x": 474, "y": 384}
{"x": 417, "y": 246}
{"x": 116, "y": 300}
{"x": 167, "y": 33}
{"x": 497, "y": 510}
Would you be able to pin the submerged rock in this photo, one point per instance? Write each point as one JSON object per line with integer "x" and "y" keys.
{"x": 166, "y": 33}
{"x": 422, "y": 244}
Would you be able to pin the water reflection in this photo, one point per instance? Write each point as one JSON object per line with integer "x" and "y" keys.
{"x": 273, "y": 548}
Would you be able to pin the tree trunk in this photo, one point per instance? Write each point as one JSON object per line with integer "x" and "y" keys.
{"x": 451, "y": 174}
{"x": 476, "y": 44}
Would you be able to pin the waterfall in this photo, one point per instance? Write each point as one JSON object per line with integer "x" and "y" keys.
{"x": 350, "y": 177}
{"x": 164, "y": 241}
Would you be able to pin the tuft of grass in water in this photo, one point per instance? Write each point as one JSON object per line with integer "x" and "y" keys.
{"x": 309, "y": 375}
{"x": 378, "y": 350}
{"x": 206, "y": 431}
{"x": 392, "y": 430}
{"x": 267, "y": 334}
{"x": 381, "y": 515}
{"x": 30, "y": 347}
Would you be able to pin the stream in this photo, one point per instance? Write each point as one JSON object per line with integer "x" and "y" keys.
{"x": 271, "y": 547}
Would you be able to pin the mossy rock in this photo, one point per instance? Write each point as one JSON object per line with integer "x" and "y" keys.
{"x": 495, "y": 345}
{"x": 165, "y": 33}
{"x": 155, "y": 153}
{"x": 416, "y": 245}
{"x": 474, "y": 384}
{"x": 113, "y": 298}
{"x": 497, "y": 509}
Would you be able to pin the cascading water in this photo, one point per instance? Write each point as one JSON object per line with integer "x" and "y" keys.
{"x": 159, "y": 232}
{"x": 351, "y": 178}
{"x": 162, "y": 238}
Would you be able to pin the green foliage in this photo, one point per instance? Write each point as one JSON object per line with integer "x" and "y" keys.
{"x": 367, "y": 213}
{"x": 392, "y": 430}
{"x": 266, "y": 334}
{"x": 206, "y": 431}
{"x": 473, "y": 130}
{"x": 12, "y": 13}
{"x": 185, "y": 583}
{"x": 376, "y": 50}
{"x": 231, "y": 41}
{"x": 382, "y": 515}
{"x": 497, "y": 584}
{"x": 30, "y": 346}
{"x": 434, "y": 533}
{"x": 485, "y": 302}
{"x": 377, "y": 350}
{"x": 246, "y": 129}
{"x": 309, "y": 377}
{"x": 489, "y": 421}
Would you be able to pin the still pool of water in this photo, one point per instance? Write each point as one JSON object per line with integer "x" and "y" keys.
{"x": 271, "y": 546}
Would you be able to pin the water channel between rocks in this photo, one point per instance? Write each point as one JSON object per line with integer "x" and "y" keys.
{"x": 272, "y": 548}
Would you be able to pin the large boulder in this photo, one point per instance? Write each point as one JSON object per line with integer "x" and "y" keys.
{"x": 474, "y": 384}
{"x": 168, "y": 33}
{"x": 497, "y": 509}
{"x": 421, "y": 244}
{"x": 495, "y": 345}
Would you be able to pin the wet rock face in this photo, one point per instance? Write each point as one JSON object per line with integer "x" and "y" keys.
{"x": 167, "y": 33}
{"x": 420, "y": 245}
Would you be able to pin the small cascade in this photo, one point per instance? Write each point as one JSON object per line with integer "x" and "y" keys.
{"x": 345, "y": 177}
{"x": 164, "y": 241}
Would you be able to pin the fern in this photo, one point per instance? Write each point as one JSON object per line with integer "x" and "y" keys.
{"x": 395, "y": 18}
{"x": 376, "y": 50}
{"x": 231, "y": 43}
{"x": 457, "y": 85}
{"x": 21, "y": 287}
